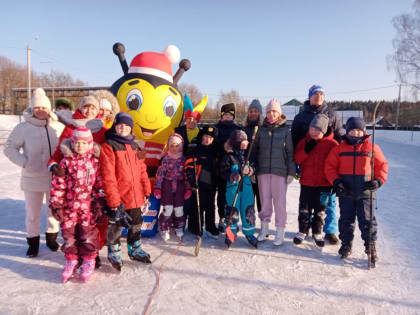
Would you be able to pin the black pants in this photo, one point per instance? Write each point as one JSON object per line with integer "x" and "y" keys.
{"x": 257, "y": 194}
{"x": 134, "y": 232}
{"x": 311, "y": 209}
{"x": 208, "y": 211}
{"x": 349, "y": 210}
{"x": 221, "y": 197}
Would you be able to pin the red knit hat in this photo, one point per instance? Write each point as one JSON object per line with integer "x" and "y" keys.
{"x": 82, "y": 133}
{"x": 156, "y": 64}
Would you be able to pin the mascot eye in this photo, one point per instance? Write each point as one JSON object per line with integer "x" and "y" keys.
{"x": 170, "y": 106}
{"x": 134, "y": 100}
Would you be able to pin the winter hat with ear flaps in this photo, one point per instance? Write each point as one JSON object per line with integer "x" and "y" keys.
{"x": 39, "y": 99}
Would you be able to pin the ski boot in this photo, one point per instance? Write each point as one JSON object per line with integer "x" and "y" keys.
{"x": 345, "y": 251}
{"x": 331, "y": 238}
{"x": 69, "y": 270}
{"x": 51, "y": 240}
{"x": 319, "y": 241}
{"x": 299, "y": 237}
{"x": 135, "y": 252}
{"x": 252, "y": 240}
{"x": 179, "y": 233}
{"x": 374, "y": 255}
{"x": 115, "y": 257}
{"x": 88, "y": 267}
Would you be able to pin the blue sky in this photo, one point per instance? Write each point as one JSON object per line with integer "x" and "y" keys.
{"x": 260, "y": 48}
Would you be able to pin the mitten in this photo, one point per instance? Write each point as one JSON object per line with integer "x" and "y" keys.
{"x": 157, "y": 193}
{"x": 122, "y": 218}
{"x": 310, "y": 145}
{"x": 339, "y": 186}
{"x": 372, "y": 185}
{"x": 187, "y": 194}
{"x": 290, "y": 179}
{"x": 57, "y": 170}
{"x": 234, "y": 178}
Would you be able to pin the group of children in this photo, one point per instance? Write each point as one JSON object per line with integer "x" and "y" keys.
{"x": 100, "y": 172}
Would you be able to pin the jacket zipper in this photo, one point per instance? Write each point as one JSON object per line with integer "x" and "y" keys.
{"x": 354, "y": 170}
{"x": 48, "y": 137}
{"x": 271, "y": 133}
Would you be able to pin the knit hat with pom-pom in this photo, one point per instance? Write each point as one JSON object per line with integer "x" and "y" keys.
{"x": 39, "y": 99}
{"x": 82, "y": 133}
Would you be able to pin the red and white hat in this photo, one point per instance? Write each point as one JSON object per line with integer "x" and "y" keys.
{"x": 82, "y": 133}
{"x": 155, "y": 63}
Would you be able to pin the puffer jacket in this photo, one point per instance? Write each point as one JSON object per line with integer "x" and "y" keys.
{"x": 38, "y": 141}
{"x": 124, "y": 175}
{"x": 301, "y": 122}
{"x": 274, "y": 149}
{"x": 78, "y": 189}
{"x": 352, "y": 164}
{"x": 312, "y": 164}
{"x": 171, "y": 170}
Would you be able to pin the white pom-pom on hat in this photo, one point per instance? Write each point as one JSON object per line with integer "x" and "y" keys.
{"x": 172, "y": 53}
{"x": 39, "y": 91}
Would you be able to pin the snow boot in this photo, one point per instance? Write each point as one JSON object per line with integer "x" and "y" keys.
{"x": 374, "y": 254}
{"x": 135, "y": 252}
{"x": 264, "y": 232}
{"x": 88, "y": 267}
{"x": 165, "y": 235}
{"x": 69, "y": 269}
{"x": 228, "y": 242}
{"x": 345, "y": 250}
{"x": 278, "y": 240}
{"x": 115, "y": 257}
{"x": 98, "y": 262}
{"x": 299, "y": 238}
{"x": 179, "y": 233}
{"x": 252, "y": 240}
{"x": 33, "y": 249}
{"x": 51, "y": 240}
{"x": 331, "y": 238}
{"x": 319, "y": 241}
{"x": 213, "y": 233}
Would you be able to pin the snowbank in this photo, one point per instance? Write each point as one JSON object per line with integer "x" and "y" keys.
{"x": 398, "y": 136}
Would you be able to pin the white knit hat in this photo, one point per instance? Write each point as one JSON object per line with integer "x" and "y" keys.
{"x": 39, "y": 99}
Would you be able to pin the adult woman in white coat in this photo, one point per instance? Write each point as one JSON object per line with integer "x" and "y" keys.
{"x": 30, "y": 145}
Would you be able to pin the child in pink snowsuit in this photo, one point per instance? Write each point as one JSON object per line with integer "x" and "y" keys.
{"x": 172, "y": 187}
{"x": 75, "y": 202}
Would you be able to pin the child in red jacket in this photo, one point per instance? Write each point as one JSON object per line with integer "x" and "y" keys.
{"x": 75, "y": 203}
{"x": 127, "y": 188}
{"x": 311, "y": 153}
{"x": 348, "y": 167}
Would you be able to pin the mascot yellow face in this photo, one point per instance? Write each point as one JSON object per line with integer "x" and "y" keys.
{"x": 148, "y": 92}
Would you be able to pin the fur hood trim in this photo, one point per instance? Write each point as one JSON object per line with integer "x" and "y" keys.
{"x": 67, "y": 150}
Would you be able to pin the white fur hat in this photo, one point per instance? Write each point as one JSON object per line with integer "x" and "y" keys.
{"x": 39, "y": 99}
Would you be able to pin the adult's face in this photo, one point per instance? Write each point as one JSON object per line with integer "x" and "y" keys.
{"x": 317, "y": 99}
{"x": 191, "y": 123}
{"x": 273, "y": 116}
{"x": 41, "y": 113}
{"x": 89, "y": 111}
{"x": 253, "y": 114}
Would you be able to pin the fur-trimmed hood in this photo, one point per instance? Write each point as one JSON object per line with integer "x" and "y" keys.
{"x": 77, "y": 120}
{"x": 104, "y": 94}
{"x": 67, "y": 150}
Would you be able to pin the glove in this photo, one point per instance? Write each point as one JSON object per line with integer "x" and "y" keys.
{"x": 339, "y": 187}
{"x": 247, "y": 170}
{"x": 57, "y": 170}
{"x": 372, "y": 185}
{"x": 157, "y": 193}
{"x": 234, "y": 178}
{"x": 289, "y": 179}
{"x": 310, "y": 145}
{"x": 119, "y": 216}
{"x": 187, "y": 194}
{"x": 57, "y": 212}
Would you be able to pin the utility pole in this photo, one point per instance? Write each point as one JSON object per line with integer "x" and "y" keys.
{"x": 398, "y": 106}
{"x": 28, "y": 66}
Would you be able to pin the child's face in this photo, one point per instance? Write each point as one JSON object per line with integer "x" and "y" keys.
{"x": 356, "y": 133}
{"x": 315, "y": 133}
{"x": 227, "y": 117}
{"x": 89, "y": 111}
{"x": 175, "y": 148}
{"x": 207, "y": 140}
{"x": 123, "y": 130}
{"x": 244, "y": 144}
{"x": 81, "y": 146}
{"x": 104, "y": 112}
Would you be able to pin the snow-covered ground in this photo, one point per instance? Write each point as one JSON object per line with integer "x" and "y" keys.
{"x": 243, "y": 280}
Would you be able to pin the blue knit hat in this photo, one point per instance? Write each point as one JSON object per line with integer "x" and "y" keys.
{"x": 123, "y": 118}
{"x": 315, "y": 89}
{"x": 255, "y": 104}
{"x": 355, "y": 123}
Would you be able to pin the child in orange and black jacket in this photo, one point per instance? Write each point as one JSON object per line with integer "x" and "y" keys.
{"x": 348, "y": 168}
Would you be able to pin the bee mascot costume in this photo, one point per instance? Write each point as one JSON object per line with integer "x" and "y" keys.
{"x": 149, "y": 93}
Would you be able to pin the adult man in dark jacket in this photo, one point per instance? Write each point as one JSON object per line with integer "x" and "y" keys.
{"x": 313, "y": 106}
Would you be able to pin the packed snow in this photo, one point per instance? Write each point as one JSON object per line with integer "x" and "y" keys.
{"x": 268, "y": 280}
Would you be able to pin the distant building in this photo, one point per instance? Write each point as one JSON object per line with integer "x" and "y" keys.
{"x": 291, "y": 109}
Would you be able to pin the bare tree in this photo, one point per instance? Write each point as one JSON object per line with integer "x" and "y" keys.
{"x": 233, "y": 97}
{"x": 193, "y": 92}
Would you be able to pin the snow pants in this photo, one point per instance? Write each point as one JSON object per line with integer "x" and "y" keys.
{"x": 208, "y": 210}
{"x": 311, "y": 209}
{"x": 172, "y": 207}
{"x": 80, "y": 241}
{"x": 134, "y": 232}
{"x": 349, "y": 210}
{"x": 33, "y": 203}
{"x": 331, "y": 220}
{"x": 273, "y": 190}
{"x": 244, "y": 204}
